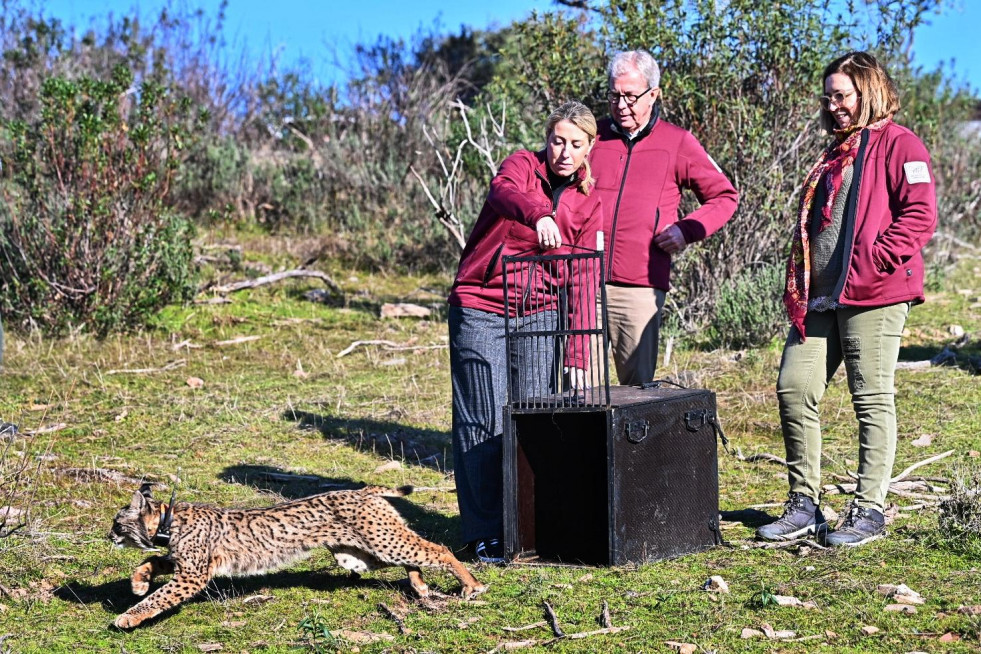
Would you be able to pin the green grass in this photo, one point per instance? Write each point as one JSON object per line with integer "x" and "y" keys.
{"x": 342, "y": 418}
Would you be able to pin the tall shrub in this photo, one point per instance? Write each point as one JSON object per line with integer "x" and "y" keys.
{"x": 86, "y": 234}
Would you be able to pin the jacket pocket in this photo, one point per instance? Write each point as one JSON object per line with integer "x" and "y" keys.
{"x": 489, "y": 273}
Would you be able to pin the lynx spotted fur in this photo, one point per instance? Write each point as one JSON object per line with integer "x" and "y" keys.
{"x": 360, "y": 527}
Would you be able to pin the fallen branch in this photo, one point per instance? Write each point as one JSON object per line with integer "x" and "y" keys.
{"x": 553, "y": 620}
{"x": 587, "y": 634}
{"x": 276, "y": 277}
{"x": 237, "y": 340}
{"x": 921, "y": 464}
{"x": 533, "y": 625}
{"x": 779, "y": 545}
{"x": 760, "y": 456}
{"x": 356, "y": 344}
{"x": 145, "y": 371}
{"x": 399, "y": 622}
{"x": 97, "y": 474}
{"x": 513, "y": 645}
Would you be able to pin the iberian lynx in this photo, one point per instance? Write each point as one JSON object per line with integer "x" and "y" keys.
{"x": 361, "y": 528}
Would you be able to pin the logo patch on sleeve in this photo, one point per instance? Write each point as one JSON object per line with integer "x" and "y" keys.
{"x": 917, "y": 172}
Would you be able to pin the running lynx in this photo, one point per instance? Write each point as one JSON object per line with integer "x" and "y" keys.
{"x": 361, "y": 528}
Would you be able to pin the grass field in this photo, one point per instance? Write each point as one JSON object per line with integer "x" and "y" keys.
{"x": 234, "y": 399}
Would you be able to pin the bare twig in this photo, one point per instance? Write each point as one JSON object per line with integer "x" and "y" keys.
{"x": 779, "y": 545}
{"x": 399, "y": 622}
{"x": 553, "y": 620}
{"x": 353, "y": 346}
{"x": 533, "y": 625}
{"x": 920, "y": 464}
{"x": 143, "y": 371}
{"x": 760, "y": 456}
{"x": 276, "y": 277}
{"x": 605, "y": 616}
{"x": 238, "y": 340}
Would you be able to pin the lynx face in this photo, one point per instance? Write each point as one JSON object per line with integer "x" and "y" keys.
{"x": 134, "y": 525}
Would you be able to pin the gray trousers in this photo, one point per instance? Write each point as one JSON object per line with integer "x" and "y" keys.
{"x": 867, "y": 340}
{"x": 479, "y": 373}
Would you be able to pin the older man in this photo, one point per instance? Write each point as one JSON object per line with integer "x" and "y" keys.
{"x": 642, "y": 163}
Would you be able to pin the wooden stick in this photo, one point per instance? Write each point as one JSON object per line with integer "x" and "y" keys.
{"x": 760, "y": 456}
{"x": 803, "y": 542}
{"x": 920, "y": 464}
{"x": 553, "y": 620}
{"x": 399, "y": 622}
{"x": 144, "y": 371}
{"x": 276, "y": 277}
{"x": 350, "y": 348}
{"x": 533, "y": 625}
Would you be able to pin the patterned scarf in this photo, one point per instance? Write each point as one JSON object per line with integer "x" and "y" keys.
{"x": 829, "y": 166}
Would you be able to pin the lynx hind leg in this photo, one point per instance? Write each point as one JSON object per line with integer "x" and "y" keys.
{"x": 180, "y": 589}
{"x": 144, "y": 574}
{"x": 397, "y": 544}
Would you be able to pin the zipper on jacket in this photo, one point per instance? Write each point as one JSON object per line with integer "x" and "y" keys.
{"x": 851, "y": 214}
{"x": 616, "y": 211}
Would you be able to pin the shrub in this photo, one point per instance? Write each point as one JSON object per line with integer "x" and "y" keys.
{"x": 959, "y": 520}
{"x": 86, "y": 235}
{"x": 749, "y": 308}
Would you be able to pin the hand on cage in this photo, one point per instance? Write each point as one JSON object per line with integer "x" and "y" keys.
{"x": 577, "y": 379}
{"x": 548, "y": 233}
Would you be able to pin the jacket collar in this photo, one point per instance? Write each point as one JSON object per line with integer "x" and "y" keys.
{"x": 655, "y": 116}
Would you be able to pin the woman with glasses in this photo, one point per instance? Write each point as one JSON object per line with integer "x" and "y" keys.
{"x": 866, "y": 210}
{"x": 538, "y": 201}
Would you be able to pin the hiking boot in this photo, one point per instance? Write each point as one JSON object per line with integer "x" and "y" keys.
{"x": 490, "y": 550}
{"x": 861, "y": 526}
{"x": 801, "y": 517}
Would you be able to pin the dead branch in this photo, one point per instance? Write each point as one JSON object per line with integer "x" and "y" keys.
{"x": 144, "y": 371}
{"x": 921, "y": 464}
{"x": 98, "y": 474}
{"x": 605, "y": 616}
{"x": 553, "y": 620}
{"x": 779, "y": 545}
{"x": 760, "y": 456}
{"x": 443, "y": 215}
{"x": 277, "y": 277}
{"x": 513, "y": 645}
{"x": 238, "y": 340}
{"x": 533, "y": 625}
{"x": 353, "y": 346}
{"x": 399, "y": 622}
{"x": 587, "y": 634}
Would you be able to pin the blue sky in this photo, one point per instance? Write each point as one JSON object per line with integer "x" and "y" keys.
{"x": 292, "y": 29}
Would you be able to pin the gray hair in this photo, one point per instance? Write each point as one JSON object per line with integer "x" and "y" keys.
{"x": 640, "y": 60}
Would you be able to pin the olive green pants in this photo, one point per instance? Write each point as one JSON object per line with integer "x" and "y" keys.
{"x": 867, "y": 340}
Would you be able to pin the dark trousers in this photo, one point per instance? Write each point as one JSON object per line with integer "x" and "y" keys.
{"x": 479, "y": 373}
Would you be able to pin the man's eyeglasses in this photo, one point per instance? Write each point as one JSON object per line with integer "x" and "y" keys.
{"x": 835, "y": 98}
{"x": 629, "y": 98}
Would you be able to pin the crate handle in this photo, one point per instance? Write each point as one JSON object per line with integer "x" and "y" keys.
{"x": 637, "y": 430}
{"x": 696, "y": 419}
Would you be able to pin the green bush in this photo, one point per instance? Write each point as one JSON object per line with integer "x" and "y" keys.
{"x": 86, "y": 234}
{"x": 749, "y": 308}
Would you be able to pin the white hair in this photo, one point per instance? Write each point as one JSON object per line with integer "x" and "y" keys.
{"x": 639, "y": 60}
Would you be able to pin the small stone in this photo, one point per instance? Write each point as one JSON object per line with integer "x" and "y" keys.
{"x": 716, "y": 584}
{"x": 900, "y": 608}
{"x": 748, "y": 633}
{"x": 868, "y": 630}
{"x": 955, "y": 330}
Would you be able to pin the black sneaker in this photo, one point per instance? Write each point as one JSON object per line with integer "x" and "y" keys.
{"x": 801, "y": 517}
{"x": 490, "y": 550}
{"x": 861, "y": 526}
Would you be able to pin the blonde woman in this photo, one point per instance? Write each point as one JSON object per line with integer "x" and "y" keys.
{"x": 541, "y": 201}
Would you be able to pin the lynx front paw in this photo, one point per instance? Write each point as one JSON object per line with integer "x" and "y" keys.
{"x": 470, "y": 592}
{"x": 140, "y": 586}
{"x": 127, "y": 621}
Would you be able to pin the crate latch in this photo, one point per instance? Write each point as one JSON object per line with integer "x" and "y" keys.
{"x": 697, "y": 418}
{"x": 637, "y": 430}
